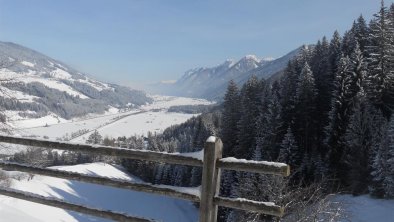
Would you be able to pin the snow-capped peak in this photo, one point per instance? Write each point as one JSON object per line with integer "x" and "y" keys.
{"x": 251, "y": 57}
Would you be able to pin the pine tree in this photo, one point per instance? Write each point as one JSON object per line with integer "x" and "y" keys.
{"x": 359, "y": 70}
{"x": 305, "y": 109}
{"x": 335, "y": 50}
{"x": 289, "y": 152}
{"x": 288, "y": 85}
{"x": 361, "y": 33}
{"x": 320, "y": 66}
{"x": 95, "y": 138}
{"x": 268, "y": 125}
{"x": 250, "y": 103}
{"x": 339, "y": 117}
{"x": 230, "y": 119}
{"x": 389, "y": 180}
{"x": 348, "y": 42}
{"x": 359, "y": 144}
{"x": 380, "y": 164}
{"x": 381, "y": 62}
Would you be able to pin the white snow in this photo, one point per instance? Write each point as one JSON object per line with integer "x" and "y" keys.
{"x": 153, "y": 117}
{"x": 53, "y": 83}
{"x": 165, "y": 102}
{"x": 197, "y": 155}
{"x": 26, "y": 63}
{"x": 31, "y": 76}
{"x": 61, "y": 74}
{"x": 366, "y": 209}
{"x": 252, "y": 57}
{"x": 14, "y": 94}
{"x": 140, "y": 124}
{"x": 94, "y": 84}
{"x": 235, "y": 160}
{"x": 211, "y": 139}
{"x": 50, "y": 119}
{"x": 112, "y": 110}
{"x": 268, "y": 204}
{"x": 135, "y": 203}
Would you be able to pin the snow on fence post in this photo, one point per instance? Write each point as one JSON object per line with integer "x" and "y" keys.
{"x": 210, "y": 183}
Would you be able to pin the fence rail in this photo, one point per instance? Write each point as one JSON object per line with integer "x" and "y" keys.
{"x": 208, "y": 198}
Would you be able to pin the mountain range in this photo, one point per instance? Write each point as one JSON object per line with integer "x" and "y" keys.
{"x": 211, "y": 83}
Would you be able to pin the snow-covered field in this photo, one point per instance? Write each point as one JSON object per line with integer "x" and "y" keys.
{"x": 152, "y": 117}
{"x": 367, "y": 209}
{"x": 134, "y": 203}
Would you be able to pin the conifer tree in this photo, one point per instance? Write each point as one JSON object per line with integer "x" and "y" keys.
{"x": 339, "y": 117}
{"x": 289, "y": 152}
{"x": 268, "y": 125}
{"x": 359, "y": 144}
{"x": 361, "y": 33}
{"x": 250, "y": 103}
{"x": 305, "y": 110}
{"x": 380, "y": 163}
{"x": 381, "y": 62}
{"x": 230, "y": 119}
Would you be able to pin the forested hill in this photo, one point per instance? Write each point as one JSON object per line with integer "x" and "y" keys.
{"x": 34, "y": 85}
{"x": 329, "y": 116}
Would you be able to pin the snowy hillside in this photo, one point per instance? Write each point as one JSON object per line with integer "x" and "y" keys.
{"x": 36, "y": 86}
{"x": 134, "y": 203}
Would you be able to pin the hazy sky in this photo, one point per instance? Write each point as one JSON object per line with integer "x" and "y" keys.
{"x": 142, "y": 41}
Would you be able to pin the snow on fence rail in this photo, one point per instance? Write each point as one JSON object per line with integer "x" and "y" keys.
{"x": 207, "y": 196}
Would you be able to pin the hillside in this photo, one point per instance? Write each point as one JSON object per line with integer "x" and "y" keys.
{"x": 211, "y": 83}
{"x": 34, "y": 85}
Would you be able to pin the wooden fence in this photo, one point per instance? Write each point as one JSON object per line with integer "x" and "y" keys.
{"x": 208, "y": 197}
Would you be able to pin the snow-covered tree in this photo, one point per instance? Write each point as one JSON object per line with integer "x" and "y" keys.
{"x": 230, "y": 118}
{"x": 250, "y": 104}
{"x": 289, "y": 152}
{"x": 268, "y": 125}
{"x": 95, "y": 138}
{"x": 383, "y": 162}
{"x": 305, "y": 109}
{"x": 358, "y": 69}
{"x": 381, "y": 62}
{"x": 339, "y": 116}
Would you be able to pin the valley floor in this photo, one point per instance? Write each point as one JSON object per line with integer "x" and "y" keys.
{"x": 152, "y": 117}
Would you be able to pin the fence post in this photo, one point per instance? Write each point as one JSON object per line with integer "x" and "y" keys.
{"x": 210, "y": 183}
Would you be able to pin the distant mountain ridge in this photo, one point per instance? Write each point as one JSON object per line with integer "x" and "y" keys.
{"x": 33, "y": 85}
{"x": 211, "y": 83}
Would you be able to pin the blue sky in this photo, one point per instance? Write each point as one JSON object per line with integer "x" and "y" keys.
{"x": 142, "y": 41}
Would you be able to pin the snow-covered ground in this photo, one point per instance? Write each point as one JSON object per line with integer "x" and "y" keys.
{"x": 152, "y": 117}
{"x": 134, "y": 203}
{"x": 367, "y": 209}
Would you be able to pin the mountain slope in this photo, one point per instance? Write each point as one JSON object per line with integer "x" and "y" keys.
{"x": 211, "y": 83}
{"x": 33, "y": 85}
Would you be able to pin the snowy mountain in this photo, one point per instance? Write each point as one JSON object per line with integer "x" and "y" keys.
{"x": 211, "y": 83}
{"x": 34, "y": 85}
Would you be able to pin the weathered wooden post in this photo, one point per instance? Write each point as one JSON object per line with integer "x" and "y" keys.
{"x": 210, "y": 183}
